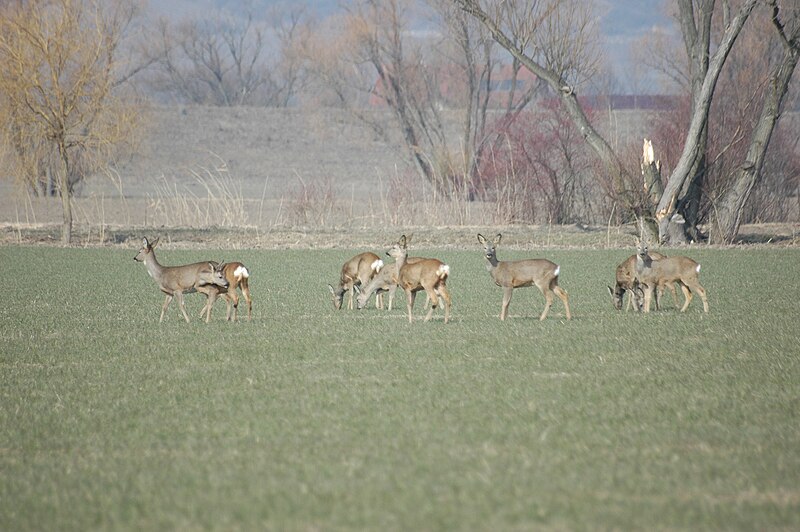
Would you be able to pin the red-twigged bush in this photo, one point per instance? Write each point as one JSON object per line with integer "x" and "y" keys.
{"x": 536, "y": 168}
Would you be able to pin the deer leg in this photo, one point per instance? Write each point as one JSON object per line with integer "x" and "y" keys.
{"x": 548, "y": 299}
{"x": 379, "y": 300}
{"x": 392, "y": 290}
{"x": 211, "y": 297}
{"x": 648, "y": 297}
{"x": 671, "y": 287}
{"x": 245, "y": 286}
{"x": 447, "y": 302}
{"x": 702, "y": 293}
{"x": 507, "y": 292}
{"x": 410, "y": 296}
{"x": 164, "y": 307}
{"x": 179, "y": 295}
{"x": 430, "y": 291}
{"x": 233, "y": 298}
{"x": 564, "y": 297}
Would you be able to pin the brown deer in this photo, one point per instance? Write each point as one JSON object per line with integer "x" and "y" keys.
{"x": 384, "y": 281}
{"x": 626, "y": 282}
{"x": 511, "y": 274}
{"x": 425, "y": 274}
{"x": 237, "y": 276}
{"x": 174, "y": 281}
{"x": 359, "y": 270}
{"x": 650, "y": 273}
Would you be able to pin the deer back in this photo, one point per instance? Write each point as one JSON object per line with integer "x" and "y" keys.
{"x": 526, "y": 272}
{"x": 360, "y": 268}
{"x": 422, "y": 272}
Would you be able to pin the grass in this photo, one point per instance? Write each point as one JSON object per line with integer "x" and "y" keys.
{"x": 311, "y": 418}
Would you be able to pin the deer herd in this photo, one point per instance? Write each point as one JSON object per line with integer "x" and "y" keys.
{"x": 644, "y": 276}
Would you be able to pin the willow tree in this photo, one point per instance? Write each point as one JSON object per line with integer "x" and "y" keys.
{"x": 59, "y": 108}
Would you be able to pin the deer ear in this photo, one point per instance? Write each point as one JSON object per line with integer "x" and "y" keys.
{"x": 610, "y": 290}
{"x": 481, "y": 238}
{"x": 154, "y": 243}
{"x": 498, "y": 238}
{"x": 145, "y": 243}
{"x": 332, "y": 290}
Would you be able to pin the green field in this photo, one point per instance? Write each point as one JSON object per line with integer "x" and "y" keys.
{"x": 309, "y": 418}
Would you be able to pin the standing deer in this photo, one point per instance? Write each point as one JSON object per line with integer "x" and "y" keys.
{"x": 357, "y": 271}
{"x": 511, "y": 274}
{"x": 384, "y": 281}
{"x": 237, "y": 276}
{"x": 425, "y": 274}
{"x": 175, "y": 280}
{"x": 626, "y": 282}
{"x": 650, "y": 273}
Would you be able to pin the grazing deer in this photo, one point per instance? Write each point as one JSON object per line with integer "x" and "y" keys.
{"x": 626, "y": 282}
{"x": 650, "y": 273}
{"x": 511, "y": 274}
{"x": 357, "y": 271}
{"x": 237, "y": 276}
{"x": 384, "y": 281}
{"x": 175, "y": 280}
{"x": 425, "y": 274}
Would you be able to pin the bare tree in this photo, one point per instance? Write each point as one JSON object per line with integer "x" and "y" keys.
{"x": 555, "y": 59}
{"x": 57, "y": 88}
{"x": 727, "y": 216}
{"x": 225, "y": 59}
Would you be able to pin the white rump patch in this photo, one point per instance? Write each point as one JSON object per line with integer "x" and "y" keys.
{"x": 698, "y": 268}
{"x": 558, "y": 269}
{"x": 377, "y": 265}
{"x": 241, "y": 272}
{"x": 443, "y": 271}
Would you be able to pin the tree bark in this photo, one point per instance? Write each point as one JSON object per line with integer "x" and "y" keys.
{"x": 727, "y": 217}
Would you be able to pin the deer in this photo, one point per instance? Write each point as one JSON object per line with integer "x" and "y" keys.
{"x": 359, "y": 270}
{"x": 650, "y": 273}
{"x": 626, "y": 282}
{"x": 425, "y": 274}
{"x": 511, "y": 274}
{"x": 237, "y": 276}
{"x": 174, "y": 281}
{"x": 384, "y": 281}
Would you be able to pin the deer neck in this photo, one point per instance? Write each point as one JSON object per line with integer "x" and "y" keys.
{"x": 401, "y": 260}
{"x": 491, "y": 264}
{"x": 153, "y": 267}
{"x": 643, "y": 263}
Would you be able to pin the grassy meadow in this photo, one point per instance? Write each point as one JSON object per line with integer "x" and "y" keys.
{"x": 310, "y": 418}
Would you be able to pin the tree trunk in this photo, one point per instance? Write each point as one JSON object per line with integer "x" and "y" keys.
{"x": 66, "y": 201}
{"x": 693, "y": 150}
{"x": 727, "y": 216}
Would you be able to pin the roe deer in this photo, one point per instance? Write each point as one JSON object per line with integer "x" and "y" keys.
{"x": 511, "y": 274}
{"x": 650, "y": 273}
{"x": 384, "y": 281}
{"x": 357, "y": 271}
{"x": 237, "y": 276}
{"x": 626, "y": 282}
{"x": 175, "y": 280}
{"x": 425, "y": 274}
